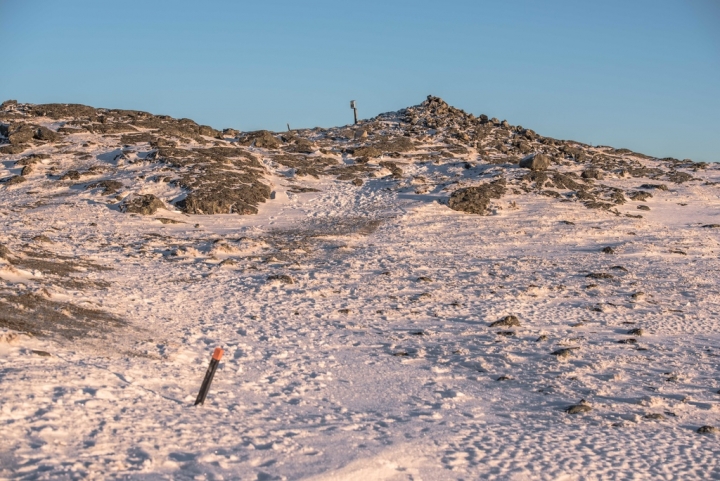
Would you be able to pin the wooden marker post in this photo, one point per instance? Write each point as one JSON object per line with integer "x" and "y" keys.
{"x": 209, "y": 374}
{"x": 352, "y": 106}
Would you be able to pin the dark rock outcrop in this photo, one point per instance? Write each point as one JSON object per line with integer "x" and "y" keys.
{"x": 476, "y": 200}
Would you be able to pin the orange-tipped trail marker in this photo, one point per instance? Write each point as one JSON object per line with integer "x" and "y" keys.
{"x": 209, "y": 374}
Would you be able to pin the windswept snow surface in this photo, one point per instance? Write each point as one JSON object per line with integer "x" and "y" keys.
{"x": 358, "y": 370}
{"x": 355, "y": 321}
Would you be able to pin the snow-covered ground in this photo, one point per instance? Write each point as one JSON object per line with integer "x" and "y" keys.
{"x": 377, "y": 361}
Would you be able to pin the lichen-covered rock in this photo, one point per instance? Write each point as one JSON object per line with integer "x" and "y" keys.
{"x": 476, "y": 200}
{"x": 367, "y": 152}
{"x": 8, "y": 105}
{"x": 71, "y": 175}
{"x": 43, "y": 133}
{"x": 14, "y": 180}
{"x": 226, "y": 200}
{"x": 536, "y": 162}
{"x": 146, "y": 204}
{"x": 592, "y": 174}
{"x": 263, "y": 139}
{"x": 640, "y": 196}
{"x": 21, "y": 134}
{"x": 507, "y": 321}
{"x": 109, "y": 187}
{"x": 208, "y": 131}
{"x": 5, "y": 253}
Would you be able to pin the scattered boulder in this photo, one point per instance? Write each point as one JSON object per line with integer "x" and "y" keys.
{"x": 654, "y": 416}
{"x": 708, "y": 430}
{"x": 608, "y": 250}
{"x": 284, "y": 278}
{"x": 640, "y": 196}
{"x": 564, "y": 352}
{"x": 367, "y": 152}
{"x": 43, "y": 238}
{"x": 476, "y": 200}
{"x": 581, "y": 407}
{"x": 592, "y": 174}
{"x": 536, "y": 162}
{"x": 507, "y": 321}
{"x": 600, "y": 275}
{"x": 71, "y": 175}
{"x": 262, "y": 138}
{"x": 636, "y": 332}
{"x": 231, "y": 133}
{"x": 109, "y": 187}
{"x": 146, "y": 204}
{"x": 654, "y": 186}
{"x": 219, "y": 199}
{"x": 43, "y": 133}
{"x": 8, "y": 105}
{"x": 14, "y": 180}
{"x": 395, "y": 171}
{"x": 679, "y": 177}
{"x": 5, "y": 253}
{"x": 208, "y": 131}
{"x": 21, "y": 134}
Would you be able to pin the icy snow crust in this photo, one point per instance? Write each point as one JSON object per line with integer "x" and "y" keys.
{"x": 356, "y": 318}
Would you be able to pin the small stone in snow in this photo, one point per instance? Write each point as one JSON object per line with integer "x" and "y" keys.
{"x": 284, "y": 278}
{"x": 708, "y": 430}
{"x": 564, "y": 352}
{"x": 582, "y": 407}
{"x": 507, "y": 321}
{"x": 600, "y": 275}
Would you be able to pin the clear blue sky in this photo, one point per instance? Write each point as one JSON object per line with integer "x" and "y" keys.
{"x": 640, "y": 74}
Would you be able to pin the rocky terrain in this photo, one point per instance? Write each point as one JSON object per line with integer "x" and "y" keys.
{"x": 424, "y": 295}
{"x": 122, "y": 155}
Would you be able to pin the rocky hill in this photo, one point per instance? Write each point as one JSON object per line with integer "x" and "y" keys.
{"x": 427, "y": 294}
{"x": 145, "y": 162}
